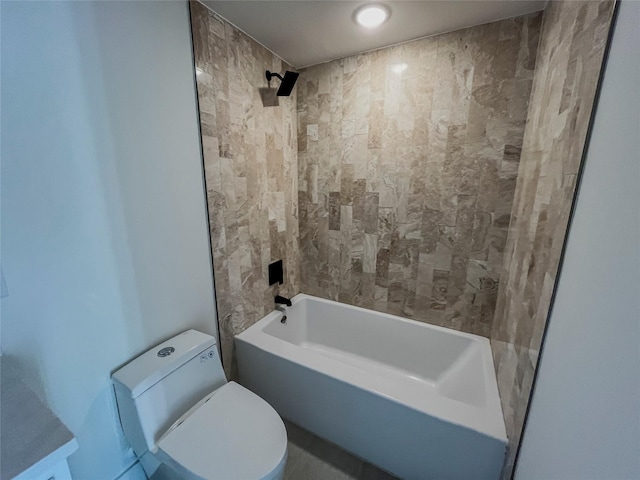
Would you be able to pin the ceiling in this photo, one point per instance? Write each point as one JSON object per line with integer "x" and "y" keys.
{"x": 308, "y": 32}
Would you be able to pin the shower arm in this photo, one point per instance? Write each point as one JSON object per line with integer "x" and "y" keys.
{"x": 270, "y": 75}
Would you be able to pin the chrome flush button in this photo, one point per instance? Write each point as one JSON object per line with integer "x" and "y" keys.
{"x": 166, "y": 351}
{"x": 207, "y": 355}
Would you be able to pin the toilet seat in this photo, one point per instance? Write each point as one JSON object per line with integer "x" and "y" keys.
{"x": 230, "y": 434}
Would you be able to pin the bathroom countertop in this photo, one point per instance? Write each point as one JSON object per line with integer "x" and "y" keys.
{"x": 32, "y": 437}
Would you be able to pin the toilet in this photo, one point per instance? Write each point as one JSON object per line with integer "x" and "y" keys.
{"x": 180, "y": 415}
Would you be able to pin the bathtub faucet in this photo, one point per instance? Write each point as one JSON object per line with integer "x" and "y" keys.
{"x": 283, "y": 300}
{"x": 284, "y": 313}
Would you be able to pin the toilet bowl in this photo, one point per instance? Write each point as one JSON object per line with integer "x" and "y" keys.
{"x": 232, "y": 432}
{"x": 177, "y": 410}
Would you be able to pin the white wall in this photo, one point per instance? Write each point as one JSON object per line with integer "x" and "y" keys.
{"x": 104, "y": 236}
{"x": 584, "y": 421}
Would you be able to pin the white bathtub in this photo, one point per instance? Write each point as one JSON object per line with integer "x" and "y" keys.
{"x": 417, "y": 400}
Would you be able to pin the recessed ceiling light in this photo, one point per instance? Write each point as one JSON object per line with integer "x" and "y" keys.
{"x": 371, "y": 16}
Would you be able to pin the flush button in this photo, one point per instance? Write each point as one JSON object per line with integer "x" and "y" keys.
{"x": 166, "y": 351}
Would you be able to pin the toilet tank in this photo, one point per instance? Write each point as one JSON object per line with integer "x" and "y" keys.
{"x": 156, "y": 388}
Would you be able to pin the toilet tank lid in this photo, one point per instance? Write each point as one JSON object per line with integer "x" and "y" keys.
{"x": 144, "y": 371}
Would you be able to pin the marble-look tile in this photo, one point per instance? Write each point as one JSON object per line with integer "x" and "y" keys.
{"x": 431, "y": 194}
{"x": 572, "y": 38}
{"x": 421, "y": 162}
{"x": 251, "y": 173}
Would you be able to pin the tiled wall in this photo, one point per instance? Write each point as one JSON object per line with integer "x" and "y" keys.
{"x": 250, "y": 169}
{"x": 408, "y": 159}
{"x": 408, "y": 163}
{"x": 573, "y": 39}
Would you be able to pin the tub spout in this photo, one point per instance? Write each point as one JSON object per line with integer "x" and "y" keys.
{"x": 283, "y": 300}
{"x": 284, "y": 313}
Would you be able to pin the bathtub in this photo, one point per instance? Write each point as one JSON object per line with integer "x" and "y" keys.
{"x": 417, "y": 400}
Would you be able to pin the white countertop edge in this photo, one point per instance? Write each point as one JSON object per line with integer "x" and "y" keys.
{"x": 45, "y": 464}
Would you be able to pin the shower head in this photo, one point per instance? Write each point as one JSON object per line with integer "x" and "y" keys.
{"x": 288, "y": 82}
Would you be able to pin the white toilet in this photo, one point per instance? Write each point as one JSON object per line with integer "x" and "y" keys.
{"x": 178, "y": 411}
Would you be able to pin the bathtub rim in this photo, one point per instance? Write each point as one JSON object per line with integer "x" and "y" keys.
{"x": 487, "y": 420}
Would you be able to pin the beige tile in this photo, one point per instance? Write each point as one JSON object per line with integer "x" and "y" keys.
{"x": 552, "y": 145}
{"x": 251, "y": 170}
{"x": 440, "y": 193}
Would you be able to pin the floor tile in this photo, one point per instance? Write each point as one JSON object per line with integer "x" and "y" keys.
{"x": 370, "y": 472}
{"x": 313, "y": 458}
{"x": 298, "y": 435}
